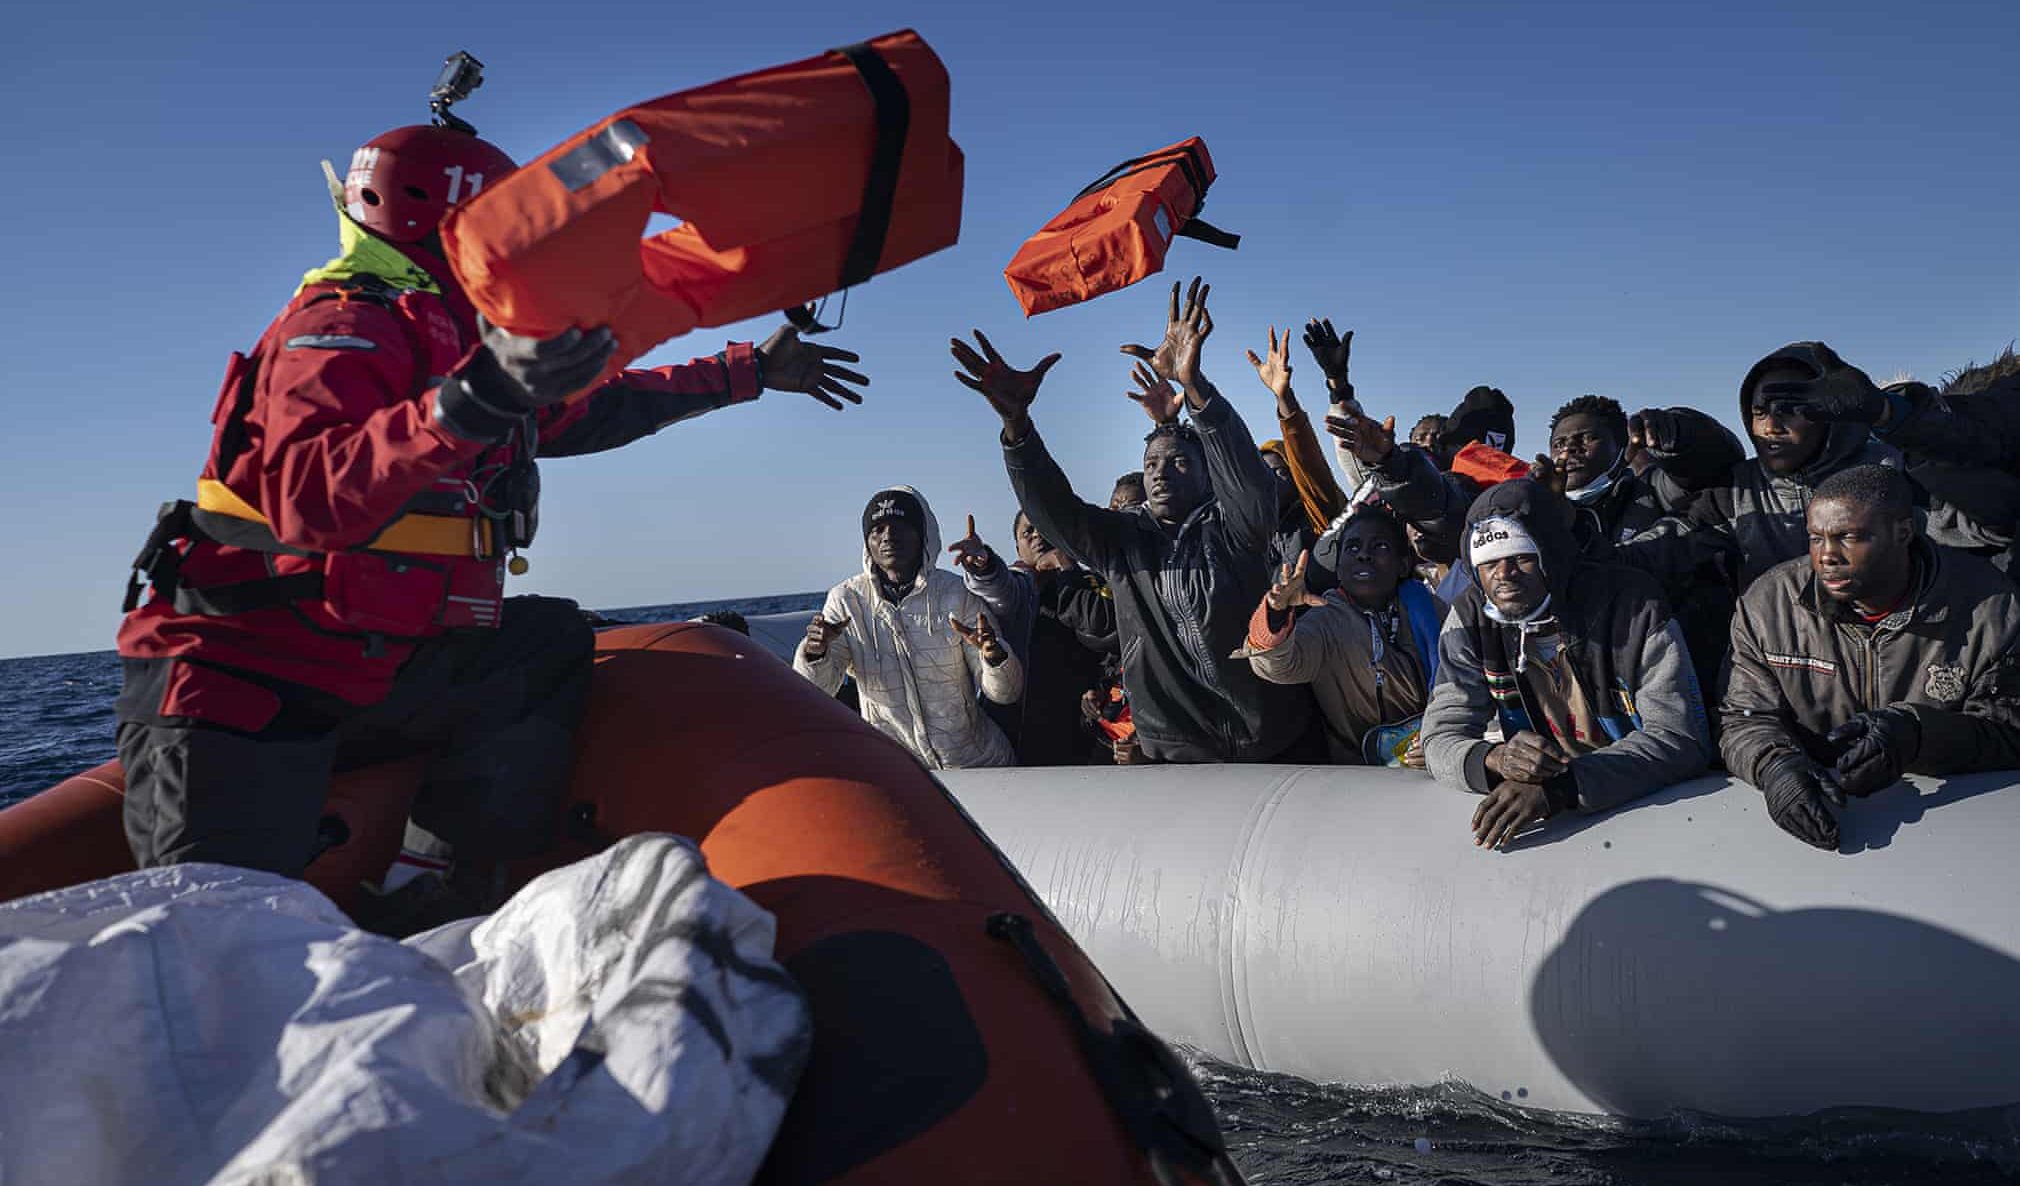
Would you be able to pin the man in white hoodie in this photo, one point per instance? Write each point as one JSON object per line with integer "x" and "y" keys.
{"x": 916, "y": 640}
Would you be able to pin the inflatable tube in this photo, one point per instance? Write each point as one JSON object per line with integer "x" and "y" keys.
{"x": 1117, "y": 230}
{"x": 75, "y": 832}
{"x": 1338, "y": 924}
{"x": 771, "y": 173}
{"x": 959, "y": 1033}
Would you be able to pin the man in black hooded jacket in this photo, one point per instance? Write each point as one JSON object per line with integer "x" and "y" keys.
{"x": 1753, "y": 521}
{"x": 1186, "y": 568}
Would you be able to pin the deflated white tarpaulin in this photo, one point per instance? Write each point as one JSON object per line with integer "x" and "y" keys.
{"x": 619, "y": 1020}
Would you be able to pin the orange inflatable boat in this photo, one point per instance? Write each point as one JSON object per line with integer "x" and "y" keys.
{"x": 791, "y": 183}
{"x": 960, "y": 1035}
{"x": 1117, "y": 230}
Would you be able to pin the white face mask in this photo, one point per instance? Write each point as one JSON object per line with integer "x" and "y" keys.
{"x": 1592, "y": 490}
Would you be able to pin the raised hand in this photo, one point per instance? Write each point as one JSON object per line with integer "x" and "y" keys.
{"x": 1154, "y": 394}
{"x": 789, "y": 364}
{"x": 1008, "y": 390}
{"x": 982, "y": 637}
{"x": 821, "y": 632}
{"x": 1275, "y": 371}
{"x": 971, "y": 553}
{"x": 1289, "y": 591}
{"x": 1185, "y": 331}
{"x": 1330, "y": 351}
{"x": 1546, "y": 474}
{"x": 1370, "y": 443}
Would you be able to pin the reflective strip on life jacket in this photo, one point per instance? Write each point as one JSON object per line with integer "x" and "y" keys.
{"x": 419, "y": 535}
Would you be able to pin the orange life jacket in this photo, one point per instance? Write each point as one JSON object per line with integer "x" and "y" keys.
{"x": 1117, "y": 230}
{"x": 790, "y": 183}
{"x": 1487, "y": 465}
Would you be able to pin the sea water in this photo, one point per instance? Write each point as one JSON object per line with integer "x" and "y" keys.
{"x": 56, "y": 719}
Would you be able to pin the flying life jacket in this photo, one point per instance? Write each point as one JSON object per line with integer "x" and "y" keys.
{"x": 438, "y": 565}
{"x": 1117, "y": 230}
{"x": 791, "y": 183}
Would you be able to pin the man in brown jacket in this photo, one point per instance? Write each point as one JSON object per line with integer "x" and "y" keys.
{"x": 1877, "y": 654}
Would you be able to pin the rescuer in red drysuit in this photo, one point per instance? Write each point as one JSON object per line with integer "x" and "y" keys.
{"x": 334, "y": 595}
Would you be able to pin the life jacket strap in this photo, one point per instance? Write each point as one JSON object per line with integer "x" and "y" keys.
{"x": 880, "y": 186}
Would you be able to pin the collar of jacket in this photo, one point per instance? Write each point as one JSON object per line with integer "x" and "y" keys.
{"x": 1177, "y": 533}
{"x": 361, "y": 253}
{"x": 1928, "y": 569}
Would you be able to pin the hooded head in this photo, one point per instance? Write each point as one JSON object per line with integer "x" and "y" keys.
{"x": 1788, "y": 438}
{"x": 1366, "y": 555}
{"x": 901, "y": 538}
{"x": 1485, "y": 415}
{"x": 1518, "y": 538}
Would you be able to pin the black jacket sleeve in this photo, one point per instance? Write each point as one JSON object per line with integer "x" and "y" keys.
{"x": 1093, "y": 535}
{"x": 1242, "y": 481}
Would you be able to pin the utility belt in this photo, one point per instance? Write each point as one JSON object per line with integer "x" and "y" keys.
{"x": 420, "y": 574}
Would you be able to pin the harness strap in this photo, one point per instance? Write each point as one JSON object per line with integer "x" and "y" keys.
{"x": 1189, "y": 162}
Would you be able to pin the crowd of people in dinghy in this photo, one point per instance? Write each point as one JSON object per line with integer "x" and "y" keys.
{"x": 1639, "y": 604}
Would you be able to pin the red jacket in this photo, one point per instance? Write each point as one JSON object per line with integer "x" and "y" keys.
{"x": 339, "y": 439}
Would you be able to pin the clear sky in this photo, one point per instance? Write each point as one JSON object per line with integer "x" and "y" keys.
{"x": 1634, "y": 199}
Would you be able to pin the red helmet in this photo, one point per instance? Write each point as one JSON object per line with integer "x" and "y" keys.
{"x": 401, "y": 183}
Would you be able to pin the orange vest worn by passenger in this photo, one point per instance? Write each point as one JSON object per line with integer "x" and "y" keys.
{"x": 790, "y": 183}
{"x": 1117, "y": 230}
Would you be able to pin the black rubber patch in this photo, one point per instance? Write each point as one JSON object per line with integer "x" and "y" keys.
{"x": 895, "y": 1053}
{"x": 600, "y": 154}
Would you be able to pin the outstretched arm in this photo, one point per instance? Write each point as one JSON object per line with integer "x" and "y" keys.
{"x": 638, "y": 403}
{"x": 1318, "y": 490}
{"x": 1087, "y": 532}
{"x": 1242, "y": 482}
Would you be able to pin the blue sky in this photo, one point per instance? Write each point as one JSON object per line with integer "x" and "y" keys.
{"x": 1632, "y": 199}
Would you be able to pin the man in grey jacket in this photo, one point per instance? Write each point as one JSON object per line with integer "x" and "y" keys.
{"x": 1876, "y": 654}
{"x": 1581, "y": 663}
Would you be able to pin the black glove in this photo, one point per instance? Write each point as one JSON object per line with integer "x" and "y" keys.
{"x": 509, "y": 377}
{"x": 1874, "y": 748}
{"x": 1331, "y": 352}
{"x": 1843, "y": 392}
{"x": 1795, "y": 801}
